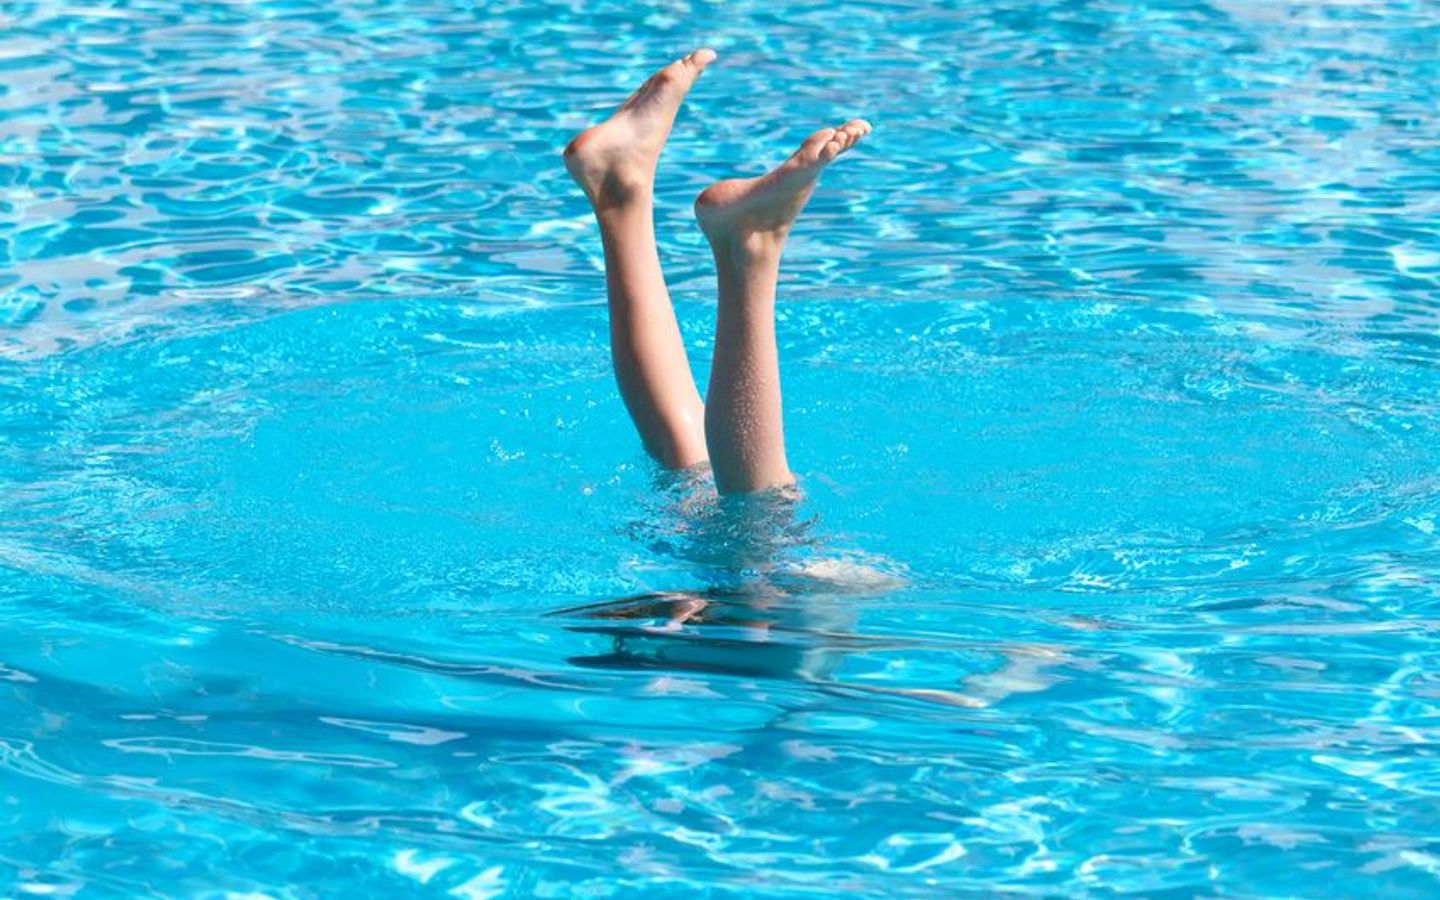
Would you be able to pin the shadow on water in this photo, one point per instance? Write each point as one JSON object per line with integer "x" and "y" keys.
{"x": 778, "y": 598}
{"x": 758, "y": 633}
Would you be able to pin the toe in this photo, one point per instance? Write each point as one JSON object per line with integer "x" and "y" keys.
{"x": 686, "y": 69}
{"x": 812, "y": 148}
{"x": 818, "y": 138}
{"x": 677, "y": 73}
{"x": 854, "y": 130}
{"x": 699, "y": 59}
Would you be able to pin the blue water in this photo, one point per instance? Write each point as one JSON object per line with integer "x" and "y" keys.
{"x": 330, "y": 564}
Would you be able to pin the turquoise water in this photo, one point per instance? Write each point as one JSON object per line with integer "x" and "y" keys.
{"x": 329, "y": 562}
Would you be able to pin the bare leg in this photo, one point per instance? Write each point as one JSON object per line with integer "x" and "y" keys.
{"x": 747, "y": 220}
{"x": 614, "y": 163}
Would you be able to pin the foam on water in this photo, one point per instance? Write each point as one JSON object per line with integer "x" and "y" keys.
{"x": 329, "y": 562}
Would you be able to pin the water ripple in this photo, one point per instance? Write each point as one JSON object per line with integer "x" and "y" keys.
{"x": 329, "y": 563}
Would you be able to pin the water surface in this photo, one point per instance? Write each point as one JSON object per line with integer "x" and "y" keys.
{"x": 329, "y": 561}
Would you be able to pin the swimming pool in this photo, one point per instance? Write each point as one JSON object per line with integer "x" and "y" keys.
{"x": 329, "y": 561}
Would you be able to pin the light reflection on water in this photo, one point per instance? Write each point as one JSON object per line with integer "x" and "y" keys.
{"x": 329, "y": 562}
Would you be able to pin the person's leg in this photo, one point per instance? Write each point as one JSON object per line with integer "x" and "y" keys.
{"x": 614, "y": 163}
{"x": 747, "y": 220}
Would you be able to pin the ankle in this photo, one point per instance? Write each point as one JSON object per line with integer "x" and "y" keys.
{"x": 749, "y": 247}
{"x": 620, "y": 188}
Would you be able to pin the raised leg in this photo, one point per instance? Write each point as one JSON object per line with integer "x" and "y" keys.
{"x": 614, "y": 163}
{"x": 747, "y": 221}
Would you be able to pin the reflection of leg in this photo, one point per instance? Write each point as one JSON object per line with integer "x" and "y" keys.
{"x": 1025, "y": 672}
{"x": 747, "y": 221}
{"x": 688, "y": 608}
{"x": 729, "y": 631}
{"x": 615, "y": 164}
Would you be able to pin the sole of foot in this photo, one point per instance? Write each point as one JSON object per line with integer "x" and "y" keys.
{"x": 756, "y": 213}
{"x": 614, "y": 162}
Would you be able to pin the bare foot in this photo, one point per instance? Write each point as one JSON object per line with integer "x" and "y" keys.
{"x": 756, "y": 213}
{"x": 615, "y": 161}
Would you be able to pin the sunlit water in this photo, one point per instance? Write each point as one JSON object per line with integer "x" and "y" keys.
{"x": 330, "y": 564}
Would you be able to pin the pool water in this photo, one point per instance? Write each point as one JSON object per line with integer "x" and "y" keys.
{"x": 330, "y": 563}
